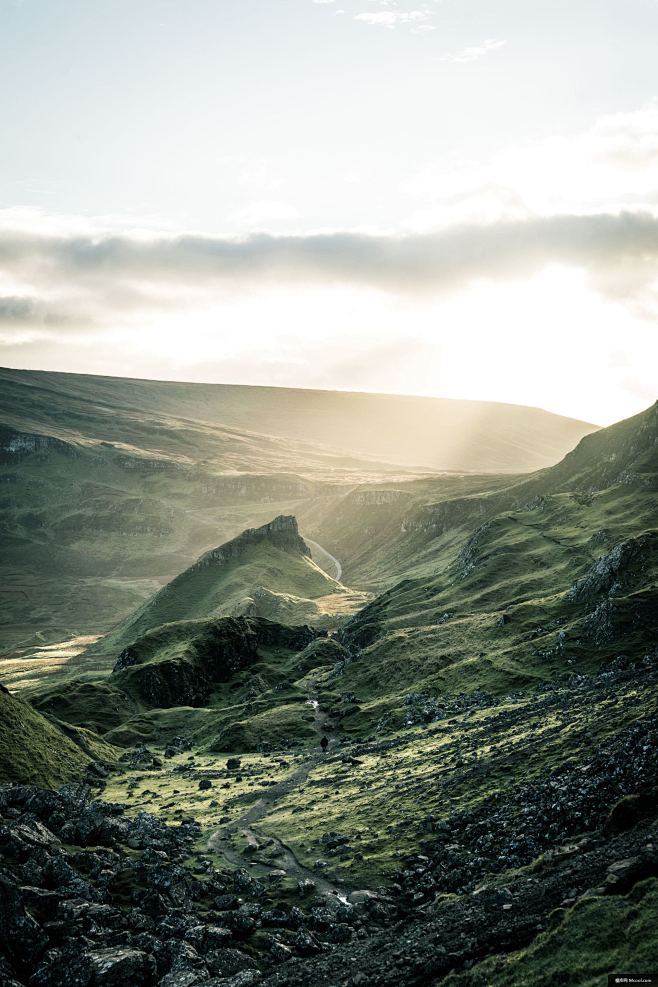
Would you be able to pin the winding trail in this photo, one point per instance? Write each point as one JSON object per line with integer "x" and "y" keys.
{"x": 279, "y": 855}
{"x": 322, "y": 552}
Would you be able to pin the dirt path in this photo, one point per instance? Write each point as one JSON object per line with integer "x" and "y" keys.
{"x": 279, "y": 856}
{"x": 323, "y": 553}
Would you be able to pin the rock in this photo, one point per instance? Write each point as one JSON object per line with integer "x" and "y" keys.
{"x": 611, "y": 571}
{"x": 67, "y": 967}
{"x": 205, "y": 784}
{"x": 233, "y": 764}
{"x": 181, "y": 978}
{"x": 23, "y": 940}
{"x": 243, "y": 881}
{"x": 624, "y": 873}
{"x": 208, "y": 937}
{"x": 181, "y": 956}
{"x": 280, "y": 951}
{"x": 361, "y": 897}
{"x": 177, "y": 745}
{"x": 117, "y": 967}
{"x": 246, "y": 979}
{"x": 306, "y": 944}
{"x": 630, "y": 810}
{"x": 6, "y": 976}
{"x": 35, "y": 834}
{"x": 228, "y": 962}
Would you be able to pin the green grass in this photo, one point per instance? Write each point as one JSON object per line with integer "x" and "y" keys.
{"x": 259, "y": 573}
{"x": 597, "y": 937}
{"x": 34, "y": 750}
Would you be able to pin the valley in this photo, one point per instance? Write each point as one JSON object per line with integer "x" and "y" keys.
{"x": 202, "y": 601}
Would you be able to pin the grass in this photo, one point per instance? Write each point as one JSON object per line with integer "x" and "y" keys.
{"x": 597, "y": 937}
{"x": 254, "y": 575}
{"x": 33, "y": 750}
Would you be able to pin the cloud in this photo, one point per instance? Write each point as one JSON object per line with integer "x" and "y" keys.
{"x": 64, "y": 280}
{"x": 611, "y": 167}
{"x": 20, "y": 312}
{"x": 474, "y": 52}
{"x": 391, "y": 18}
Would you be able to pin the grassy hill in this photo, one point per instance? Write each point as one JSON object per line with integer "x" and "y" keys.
{"x": 34, "y": 750}
{"x": 110, "y": 487}
{"x": 493, "y": 717}
{"x": 435, "y": 433}
{"x": 266, "y": 571}
{"x": 558, "y": 581}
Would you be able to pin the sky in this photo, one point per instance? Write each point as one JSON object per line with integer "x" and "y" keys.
{"x": 445, "y": 197}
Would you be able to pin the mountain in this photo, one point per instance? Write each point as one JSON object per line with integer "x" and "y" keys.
{"x": 433, "y": 433}
{"x": 395, "y": 527}
{"x": 266, "y": 571}
{"x": 110, "y": 487}
{"x": 552, "y": 575}
{"x": 487, "y": 792}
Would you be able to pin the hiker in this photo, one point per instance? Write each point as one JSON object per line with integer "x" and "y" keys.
{"x": 324, "y": 743}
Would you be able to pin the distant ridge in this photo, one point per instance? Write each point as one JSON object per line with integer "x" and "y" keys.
{"x": 421, "y": 432}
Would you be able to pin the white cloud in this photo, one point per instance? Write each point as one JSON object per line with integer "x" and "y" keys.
{"x": 474, "y": 52}
{"x": 102, "y": 275}
{"x": 611, "y": 166}
{"x": 391, "y": 18}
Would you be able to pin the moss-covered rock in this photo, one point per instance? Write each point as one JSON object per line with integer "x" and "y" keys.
{"x": 179, "y": 664}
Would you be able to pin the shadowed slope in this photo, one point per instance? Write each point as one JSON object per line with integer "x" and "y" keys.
{"x": 33, "y": 750}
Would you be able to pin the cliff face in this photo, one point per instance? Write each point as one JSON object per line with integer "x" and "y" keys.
{"x": 180, "y": 664}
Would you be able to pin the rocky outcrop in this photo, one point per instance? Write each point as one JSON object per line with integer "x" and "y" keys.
{"x": 616, "y": 570}
{"x": 436, "y": 519}
{"x": 17, "y": 446}
{"x": 282, "y": 532}
{"x": 180, "y": 664}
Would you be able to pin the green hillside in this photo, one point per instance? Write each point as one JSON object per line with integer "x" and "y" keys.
{"x": 489, "y": 790}
{"x": 34, "y": 750}
{"x": 266, "y": 571}
{"x": 111, "y": 487}
{"x": 557, "y": 586}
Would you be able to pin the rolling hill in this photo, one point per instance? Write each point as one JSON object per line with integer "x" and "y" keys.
{"x": 429, "y": 433}
{"x": 264, "y": 572}
{"x": 110, "y": 487}
{"x": 489, "y": 793}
